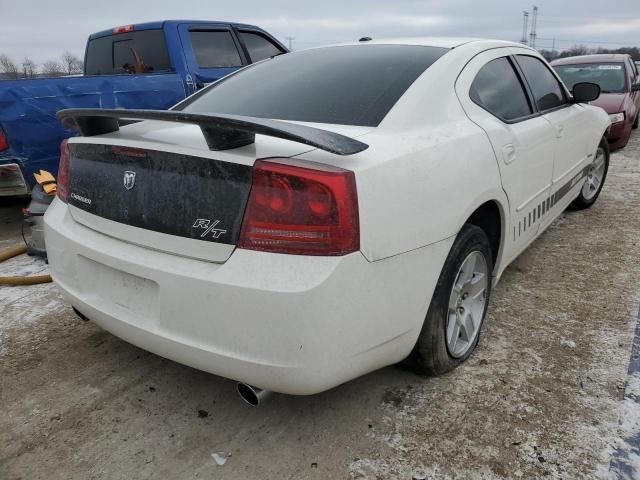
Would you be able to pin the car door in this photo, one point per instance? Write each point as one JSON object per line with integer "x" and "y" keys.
{"x": 494, "y": 97}
{"x": 569, "y": 121}
{"x": 211, "y": 51}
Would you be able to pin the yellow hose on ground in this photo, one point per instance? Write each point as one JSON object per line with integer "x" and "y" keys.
{"x": 14, "y": 252}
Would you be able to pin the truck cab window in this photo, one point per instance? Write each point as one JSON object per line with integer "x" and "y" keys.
{"x": 258, "y": 46}
{"x": 143, "y": 51}
{"x": 214, "y": 49}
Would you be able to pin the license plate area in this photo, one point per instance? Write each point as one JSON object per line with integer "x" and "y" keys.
{"x": 126, "y": 296}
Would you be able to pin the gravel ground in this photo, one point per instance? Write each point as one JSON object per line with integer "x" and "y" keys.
{"x": 547, "y": 393}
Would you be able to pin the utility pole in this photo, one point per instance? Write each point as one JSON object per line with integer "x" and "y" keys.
{"x": 534, "y": 22}
{"x": 290, "y": 40}
{"x": 525, "y": 26}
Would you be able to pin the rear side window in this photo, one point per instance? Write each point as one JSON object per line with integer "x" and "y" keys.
{"x": 498, "y": 90}
{"x": 215, "y": 49}
{"x": 546, "y": 89}
{"x": 258, "y": 46}
{"x": 348, "y": 85}
{"x": 135, "y": 52}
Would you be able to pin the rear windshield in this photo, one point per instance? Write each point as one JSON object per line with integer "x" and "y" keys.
{"x": 136, "y": 52}
{"x": 350, "y": 85}
{"x": 610, "y": 76}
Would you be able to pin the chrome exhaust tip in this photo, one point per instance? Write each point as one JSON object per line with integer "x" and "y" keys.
{"x": 254, "y": 396}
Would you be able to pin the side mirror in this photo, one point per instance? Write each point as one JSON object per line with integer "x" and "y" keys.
{"x": 635, "y": 87}
{"x": 584, "y": 92}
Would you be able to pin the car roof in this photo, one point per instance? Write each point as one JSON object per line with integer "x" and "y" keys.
{"x": 443, "y": 42}
{"x": 597, "y": 58}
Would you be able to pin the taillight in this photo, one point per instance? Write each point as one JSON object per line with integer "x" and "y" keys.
{"x": 63, "y": 172}
{"x": 4, "y": 143}
{"x": 301, "y": 208}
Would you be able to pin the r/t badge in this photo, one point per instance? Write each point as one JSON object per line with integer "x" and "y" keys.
{"x": 208, "y": 228}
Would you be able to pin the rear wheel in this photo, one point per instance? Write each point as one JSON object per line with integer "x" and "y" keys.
{"x": 595, "y": 178}
{"x": 459, "y": 304}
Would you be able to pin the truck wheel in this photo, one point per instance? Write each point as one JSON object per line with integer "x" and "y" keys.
{"x": 595, "y": 179}
{"x": 635, "y": 124}
{"x": 459, "y": 304}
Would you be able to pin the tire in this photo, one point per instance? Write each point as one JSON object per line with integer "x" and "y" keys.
{"x": 635, "y": 124}
{"x": 587, "y": 198}
{"x": 432, "y": 354}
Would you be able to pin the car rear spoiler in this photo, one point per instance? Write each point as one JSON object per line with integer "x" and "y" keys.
{"x": 221, "y": 131}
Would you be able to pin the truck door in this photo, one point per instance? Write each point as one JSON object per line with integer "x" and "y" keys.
{"x": 493, "y": 95}
{"x": 211, "y": 51}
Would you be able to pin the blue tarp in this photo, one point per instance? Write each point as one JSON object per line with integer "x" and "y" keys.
{"x": 28, "y": 110}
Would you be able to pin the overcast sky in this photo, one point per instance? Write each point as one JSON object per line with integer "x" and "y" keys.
{"x": 43, "y": 29}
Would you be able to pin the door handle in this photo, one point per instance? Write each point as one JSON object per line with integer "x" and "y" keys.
{"x": 509, "y": 153}
{"x": 559, "y": 130}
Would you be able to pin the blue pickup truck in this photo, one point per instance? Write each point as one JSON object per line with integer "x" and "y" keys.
{"x": 144, "y": 66}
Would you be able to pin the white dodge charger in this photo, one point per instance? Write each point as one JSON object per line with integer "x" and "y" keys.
{"x": 325, "y": 213}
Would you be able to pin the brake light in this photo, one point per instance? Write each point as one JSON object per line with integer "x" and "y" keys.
{"x": 124, "y": 29}
{"x": 63, "y": 172}
{"x": 301, "y": 208}
{"x": 4, "y": 143}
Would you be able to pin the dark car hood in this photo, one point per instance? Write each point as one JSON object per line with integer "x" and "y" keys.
{"x": 610, "y": 102}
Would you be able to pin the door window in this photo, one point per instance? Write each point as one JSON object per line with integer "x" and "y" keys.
{"x": 498, "y": 90}
{"x": 546, "y": 89}
{"x": 214, "y": 49}
{"x": 136, "y": 52}
{"x": 258, "y": 46}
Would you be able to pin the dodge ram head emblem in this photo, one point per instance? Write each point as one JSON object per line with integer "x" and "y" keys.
{"x": 129, "y": 179}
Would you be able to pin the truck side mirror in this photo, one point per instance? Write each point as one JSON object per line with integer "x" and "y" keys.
{"x": 635, "y": 87}
{"x": 585, "y": 92}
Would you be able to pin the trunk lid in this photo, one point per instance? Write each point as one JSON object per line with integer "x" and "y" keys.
{"x": 157, "y": 184}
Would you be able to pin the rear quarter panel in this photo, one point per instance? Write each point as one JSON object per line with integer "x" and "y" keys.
{"x": 425, "y": 194}
{"x": 418, "y": 187}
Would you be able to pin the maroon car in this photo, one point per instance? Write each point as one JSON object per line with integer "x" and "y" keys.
{"x": 619, "y": 82}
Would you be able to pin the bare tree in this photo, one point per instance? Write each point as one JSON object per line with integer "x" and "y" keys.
{"x": 577, "y": 50}
{"x": 9, "y": 68}
{"x": 52, "y": 69}
{"x": 71, "y": 63}
{"x": 30, "y": 68}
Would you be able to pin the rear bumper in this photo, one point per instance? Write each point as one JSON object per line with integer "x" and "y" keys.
{"x": 12, "y": 181}
{"x": 288, "y": 323}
